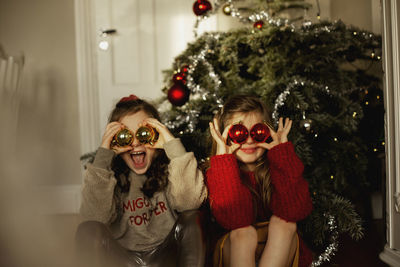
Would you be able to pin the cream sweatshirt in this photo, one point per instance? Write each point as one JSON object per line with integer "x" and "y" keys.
{"x": 145, "y": 223}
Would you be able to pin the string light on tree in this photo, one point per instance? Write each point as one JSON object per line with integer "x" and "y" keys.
{"x": 319, "y": 10}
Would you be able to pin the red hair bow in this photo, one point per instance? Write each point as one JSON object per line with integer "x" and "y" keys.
{"x": 128, "y": 98}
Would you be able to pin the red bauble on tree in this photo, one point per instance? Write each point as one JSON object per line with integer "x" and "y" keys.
{"x": 200, "y": 7}
{"x": 184, "y": 69}
{"x": 258, "y": 24}
{"x": 179, "y": 77}
{"x": 178, "y": 94}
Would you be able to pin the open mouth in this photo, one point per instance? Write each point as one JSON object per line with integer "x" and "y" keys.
{"x": 138, "y": 158}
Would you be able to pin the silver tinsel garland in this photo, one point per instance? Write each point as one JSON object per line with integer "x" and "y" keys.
{"x": 192, "y": 112}
{"x": 281, "y": 99}
{"x": 333, "y": 246}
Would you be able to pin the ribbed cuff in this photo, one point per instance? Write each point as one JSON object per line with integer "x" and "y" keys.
{"x": 103, "y": 158}
{"x": 174, "y": 148}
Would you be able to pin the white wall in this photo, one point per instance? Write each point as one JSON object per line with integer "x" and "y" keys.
{"x": 48, "y": 147}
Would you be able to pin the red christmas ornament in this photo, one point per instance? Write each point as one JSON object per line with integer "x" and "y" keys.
{"x": 184, "y": 69}
{"x": 200, "y": 7}
{"x": 260, "y": 132}
{"x": 179, "y": 78}
{"x": 238, "y": 133}
{"x": 178, "y": 94}
{"x": 258, "y": 24}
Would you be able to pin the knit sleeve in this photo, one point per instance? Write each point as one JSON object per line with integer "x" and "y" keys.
{"x": 230, "y": 200}
{"x": 98, "y": 189}
{"x": 290, "y": 199}
{"x": 186, "y": 189}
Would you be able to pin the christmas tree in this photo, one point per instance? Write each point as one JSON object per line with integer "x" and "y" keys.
{"x": 325, "y": 76}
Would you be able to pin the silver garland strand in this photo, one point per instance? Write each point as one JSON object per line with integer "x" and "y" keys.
{"x": 333, "y": 246}
{"x": 281, "y": 99}
{"x": 332, "y": 28}
{"x": 192, "y": 112}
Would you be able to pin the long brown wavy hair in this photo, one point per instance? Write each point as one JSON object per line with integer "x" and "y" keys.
{"x": 249, "y": 104}
{"x": 157, "y": 174}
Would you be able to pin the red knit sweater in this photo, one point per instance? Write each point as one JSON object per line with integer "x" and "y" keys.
{"x": 231, "y": 201}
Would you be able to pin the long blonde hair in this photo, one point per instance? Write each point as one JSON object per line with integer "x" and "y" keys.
{"x": 248, "y": 104}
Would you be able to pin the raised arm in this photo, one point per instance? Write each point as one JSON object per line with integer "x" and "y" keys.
{"x": 290, "y": 199}
{"x": 186, "y": 189}
{"x": 98, "y": 189}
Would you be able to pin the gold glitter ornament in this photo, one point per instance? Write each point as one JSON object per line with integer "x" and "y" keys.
{"x": 227, "y": 9}
{"x": 147, "y": 135}
{"x": 123, "y": 138}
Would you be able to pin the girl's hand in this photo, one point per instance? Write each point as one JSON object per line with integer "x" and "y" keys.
{"x": 111, "y": 130}
{"x": 222, "y": 147}
{"x": 164, "y": 134}
{"x": 280, "y": 136}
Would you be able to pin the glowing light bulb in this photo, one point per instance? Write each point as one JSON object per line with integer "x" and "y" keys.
{"x": 103, "y": 45}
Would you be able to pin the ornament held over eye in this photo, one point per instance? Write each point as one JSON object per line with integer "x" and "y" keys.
{"x": 147, "y": 135}
{"x": 238, "y": 133}
{"x": 123, "y": 138}
{"x": 260, "y": 132}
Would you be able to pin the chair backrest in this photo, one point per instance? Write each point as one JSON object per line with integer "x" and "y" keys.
{"x": 10, "y": 79}
{"x": 10, "y": 71}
